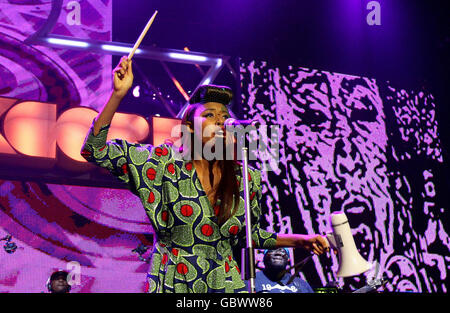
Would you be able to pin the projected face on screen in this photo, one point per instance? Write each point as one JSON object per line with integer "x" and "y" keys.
{"x": 332, "y": 151}
{"x": 336, "y": 127}
{"x": 338, "y": 154}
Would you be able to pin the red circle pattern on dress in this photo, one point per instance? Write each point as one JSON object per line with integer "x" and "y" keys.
{"x": 186, "y": 210}
{"x": 182, "y": 269}
{"x": 171, "y": 168}
{"x": 151, "y": 197}
{"x": 207, "y": 230}
{"x": 151, "y": 173}
{"x": 234, "y": 230}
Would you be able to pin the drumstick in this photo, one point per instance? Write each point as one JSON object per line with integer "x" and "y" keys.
{"x": 138, "y": 42}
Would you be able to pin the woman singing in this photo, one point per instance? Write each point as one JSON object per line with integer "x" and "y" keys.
{"x": 195, "y": 205}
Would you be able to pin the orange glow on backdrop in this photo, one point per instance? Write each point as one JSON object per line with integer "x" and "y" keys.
{"x": 33, "y": 129}
{"x": 30, "y": 128}
{"x": 5, "y": 104}
{"x": 130, "y": 127}
{"x": 71, "y": 130}
{"x": 73, "y": 125}
{"x": 162, "y": 130}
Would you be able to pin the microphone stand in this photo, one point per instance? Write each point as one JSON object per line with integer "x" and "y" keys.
{"x": 249, "y": 253}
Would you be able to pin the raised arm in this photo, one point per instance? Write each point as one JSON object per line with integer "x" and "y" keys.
{"x": 123, "y": 79}
{"x": 113, "y": 154}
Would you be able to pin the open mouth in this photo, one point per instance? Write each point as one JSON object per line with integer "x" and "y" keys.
{"x": 356, "y": 205}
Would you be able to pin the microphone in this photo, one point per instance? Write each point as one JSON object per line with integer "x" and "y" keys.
{"x": 235, "y": 122}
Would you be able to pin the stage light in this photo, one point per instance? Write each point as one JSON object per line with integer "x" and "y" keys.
{"x": 66, "y": 42}
{"x": 121, "y": 49}
{"x": 187, "y": 57}
{"x": 136, "y": 91}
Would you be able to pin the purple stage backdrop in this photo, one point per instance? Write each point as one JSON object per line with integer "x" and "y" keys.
{"x": 61, "y": 76}
{"x": 88, "y": 231}
{"x": 364, "y": 147}
{"x": 347, "y": 143}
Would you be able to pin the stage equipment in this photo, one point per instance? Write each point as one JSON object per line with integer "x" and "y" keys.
{"x": 373, "y": 284}
{"x": 330, "y": 287}
{"x": 10, "y": 247}
{"x": 248, "y": 257}
{"x": 351, "y": 263}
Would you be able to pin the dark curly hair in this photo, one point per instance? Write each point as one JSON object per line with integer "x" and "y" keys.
{"x": 212, "y": 93}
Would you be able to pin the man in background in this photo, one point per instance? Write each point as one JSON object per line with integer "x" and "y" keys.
{"x": 58, "y": 283}
{"x": 275, "y": 278}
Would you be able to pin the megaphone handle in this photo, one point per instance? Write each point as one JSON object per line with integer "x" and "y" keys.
{"x": 331, "y": 240}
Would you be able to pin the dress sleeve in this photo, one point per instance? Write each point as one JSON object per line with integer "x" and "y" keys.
{"x": 125, "y": 160}
{"x": 262, "y": 239}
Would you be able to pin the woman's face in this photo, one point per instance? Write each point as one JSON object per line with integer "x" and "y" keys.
{"x": 212, "y": 116}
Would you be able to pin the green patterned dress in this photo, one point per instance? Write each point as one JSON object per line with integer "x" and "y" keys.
{"x": 192, "y": 253}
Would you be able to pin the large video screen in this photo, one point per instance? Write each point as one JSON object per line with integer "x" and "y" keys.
{"x": 362, "y": 146}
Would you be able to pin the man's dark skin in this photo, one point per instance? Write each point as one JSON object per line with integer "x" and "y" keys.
{"x": 275, "y": 262}
{"x": 59, "y": 284}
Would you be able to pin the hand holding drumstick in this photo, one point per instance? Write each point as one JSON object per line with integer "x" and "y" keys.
{"x": 123, "y": 77}
{"x": 123, "y": 80}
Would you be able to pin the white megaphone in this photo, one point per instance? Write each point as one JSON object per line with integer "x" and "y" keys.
{"x": 351, "y": 263}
